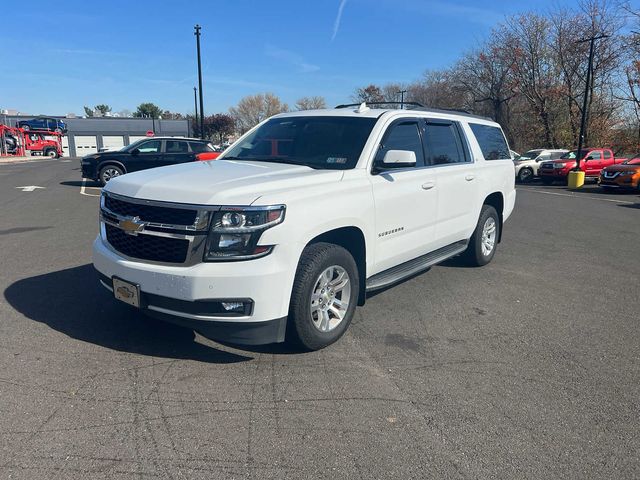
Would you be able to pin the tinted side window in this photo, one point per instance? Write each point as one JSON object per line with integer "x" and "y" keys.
{"x": 199, "y": 147}
{"x": 595, "y": 155}
{"x": 152, "y": 146}
{"x": 402, "y": 136}
{"x": 174, "y": 146}
{"x": 607, "y": 154}
{"x": 556, "y": 155}
{"x": 491, "y": 141}
{"x": 544, "y": 156}
{"x": 443, "y": 144}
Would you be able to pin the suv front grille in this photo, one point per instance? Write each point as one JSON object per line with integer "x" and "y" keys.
{"x": 148, "y": 247}
{"x": 151, "y": 213}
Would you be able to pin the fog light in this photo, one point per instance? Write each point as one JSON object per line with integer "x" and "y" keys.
{"x": 233, "y": 306}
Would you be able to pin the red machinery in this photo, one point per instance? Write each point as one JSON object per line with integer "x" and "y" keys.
{"x": 15, "y": 142}
{"x": 11, "y": 142}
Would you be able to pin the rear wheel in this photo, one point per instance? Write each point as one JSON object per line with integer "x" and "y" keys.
{"x": 109, "y": 172}
{"x": 484, "y": 241}
{"x": 26, "y": 128}
{"x": 51, "y": 152}
{"x": 324, "y": 296}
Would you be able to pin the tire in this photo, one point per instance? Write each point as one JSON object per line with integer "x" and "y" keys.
{"x": 525, "y": 175}
{"x": 51, "y": 152}
{"x": 547, "y": 181}
{"x": 108, "y": 172}
{"x": 58, "y": 130}
{"x": 482, "y": 248}
{"x": 311, "y": 325}
{"x": 26, "y": 128}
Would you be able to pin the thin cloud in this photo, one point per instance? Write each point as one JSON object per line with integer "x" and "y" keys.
{"x": 336, "y": 24}
{"x": 292, "y": 58}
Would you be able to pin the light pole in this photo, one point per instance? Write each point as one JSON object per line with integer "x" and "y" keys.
{"x": 195, "y": 105}
{"x": 197, "y": 34}
{"x": 583, "y": 121}
{"x": 401, "y": 92}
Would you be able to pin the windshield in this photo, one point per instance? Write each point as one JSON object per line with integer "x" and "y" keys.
{"x": 318, "y": 142}
{"x": 572, "y": 155}
{"x": 530, "y": 155}
{"x": 133, "y": 145}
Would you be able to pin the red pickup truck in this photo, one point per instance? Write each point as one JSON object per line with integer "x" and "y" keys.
{"x": 592, "y": 162}
{"x": 47, "y": 144}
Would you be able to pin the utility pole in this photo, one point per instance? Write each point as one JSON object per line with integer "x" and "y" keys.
{"x": 197, "y": 34}
{"x": 401, "y": 92}
{"x": 583, "y": 122}
{"x": 195, "y": 105}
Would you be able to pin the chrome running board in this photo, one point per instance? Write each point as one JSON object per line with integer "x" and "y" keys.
{"x": 415, "y": 266}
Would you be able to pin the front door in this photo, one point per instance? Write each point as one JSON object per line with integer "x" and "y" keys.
{"x": 593, "y": 163}
{"x": 405, "y": 199}
{"x": 147, "y": 156}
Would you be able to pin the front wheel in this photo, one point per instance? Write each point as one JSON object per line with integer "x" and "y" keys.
{"x": 51, "y": 152}
{"x": 484, "y": 241}
{"x": 109, "y": 172}
{"x": 324, "y": 296}
{"x": 525, "y": 175}
{"x": 26, "y": 128}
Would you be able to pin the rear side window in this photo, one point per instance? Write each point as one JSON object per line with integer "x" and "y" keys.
{"x": 443, "y": 144}
{"x": 199, "y": 147}
{"x": 174, "y": 146}
{"x": 403, "y": 136}
{"x": 491, "y": 141}
{"x": 607, "y": 154}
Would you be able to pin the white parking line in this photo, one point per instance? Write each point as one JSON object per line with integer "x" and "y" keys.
{"x": 83, "y": 189}
{"x": 577, "y": 196}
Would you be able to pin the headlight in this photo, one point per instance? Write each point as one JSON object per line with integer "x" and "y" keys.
{"x": 559, "y": 165}
{"x": 235, "y": 232}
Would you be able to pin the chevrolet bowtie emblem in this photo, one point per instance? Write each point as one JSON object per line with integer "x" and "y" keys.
{"x": 131, "y": 226}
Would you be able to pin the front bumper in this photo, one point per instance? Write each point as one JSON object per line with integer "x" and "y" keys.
{"x": 620, "y": 182}
{"x": 185, "y": 294}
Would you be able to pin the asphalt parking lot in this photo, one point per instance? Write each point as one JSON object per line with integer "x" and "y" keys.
{"x": 526, "y": 368}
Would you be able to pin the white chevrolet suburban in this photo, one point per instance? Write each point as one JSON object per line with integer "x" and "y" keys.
{"x": 286, "y": 232}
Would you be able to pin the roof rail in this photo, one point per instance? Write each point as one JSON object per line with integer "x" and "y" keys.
{"x": 418, "y": 106}
{"x": 347, "y": 105}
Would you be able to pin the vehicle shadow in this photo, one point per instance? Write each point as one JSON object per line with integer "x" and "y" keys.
{"x": 80, "y": 183}
{"x": 74, "y": 303}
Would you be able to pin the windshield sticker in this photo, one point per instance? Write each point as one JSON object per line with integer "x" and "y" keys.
{"x": 337, "y": 160}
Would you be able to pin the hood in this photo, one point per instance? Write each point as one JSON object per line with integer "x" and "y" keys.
{"x": 622, "y": 168}
{"x": 218, "y": 182}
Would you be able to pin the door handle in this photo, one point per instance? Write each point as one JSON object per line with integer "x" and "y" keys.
{"x": 428, "y": 185}
{"x": 469, "y": 177}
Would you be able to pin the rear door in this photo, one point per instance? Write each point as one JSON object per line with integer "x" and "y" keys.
{"x": 405, "y": 199}
{"x": 455, "y": 173}
{"x": 176, "y": 151}
{"x": 148, "y": 156}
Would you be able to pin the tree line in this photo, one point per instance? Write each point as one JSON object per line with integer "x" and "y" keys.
{"x": 529, "y": 75}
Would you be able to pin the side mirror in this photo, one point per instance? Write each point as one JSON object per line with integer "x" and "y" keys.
{"x": 135, "y": 151}
{"x": 399, "y": 159}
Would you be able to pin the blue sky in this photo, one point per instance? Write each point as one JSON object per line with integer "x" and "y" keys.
{"x": 57, "y": 58}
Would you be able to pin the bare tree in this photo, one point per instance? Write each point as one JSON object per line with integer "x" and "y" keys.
{"x": 253, "y": 109}
{"x": 535, "y": 72}
{"x": 310, "y": 103}
{"x": 370, "y": 93}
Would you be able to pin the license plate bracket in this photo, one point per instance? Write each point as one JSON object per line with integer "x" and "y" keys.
{"x": 126, "y": 292}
